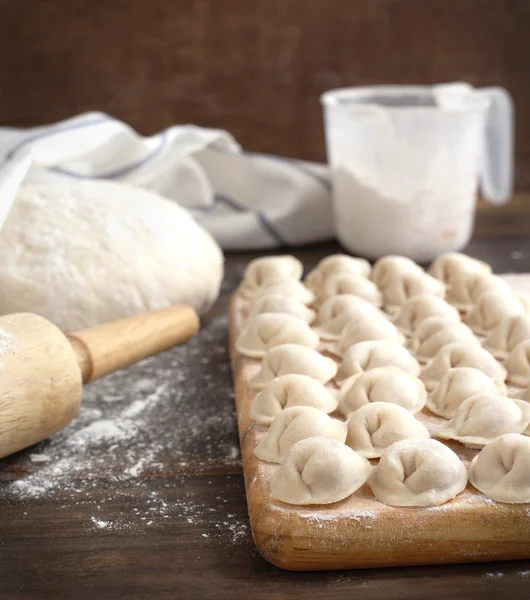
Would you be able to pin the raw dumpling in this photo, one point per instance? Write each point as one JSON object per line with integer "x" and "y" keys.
{"x": 457, "y": 385}
{"x": 492, "y": 308}
{"x": 287, "y": 391}
{"x": 274, "y": 329}
{"x": 377, "y": 425}
{"x": 461, "y": 354}
{"x": 350, "y": 283}
{"x": 319, "y": 470}
{"x": 456, "y": 332}
{"x": 501, "y": 469}
{"x": 364, "y": 330}
{"x": 473, "y": 286}
{"x": 295, "y": 424}
{"x": 280, "y": 304}
{"x": 294, "y": 359}
{"x": 417, "y": 473}
{"x": 507, "y": 334}
{"x": 269, "y": 269}
{"x": 365, "y": 356}
{"x": 421, "y": 307}
{"x": 337, "y": 311}
{"x": 399, "y": 289}
{"x": 482, "y": 418}
{"x": 518, "y": 364}
{"x": 290, "y": 287}
{"x": 429, "y": 327}
{"x": 336, "y": 263}
{"x": 384, "y": 384}
{"x": 389, "y": 267}
{"x": 458, "y": 272}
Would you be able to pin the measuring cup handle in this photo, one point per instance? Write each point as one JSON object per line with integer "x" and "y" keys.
{"x": 497, "y": 156}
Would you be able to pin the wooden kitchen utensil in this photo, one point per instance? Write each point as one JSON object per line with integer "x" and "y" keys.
{"x": 42, "y": 370}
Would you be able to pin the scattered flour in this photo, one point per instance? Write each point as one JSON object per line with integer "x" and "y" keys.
{"x": 136, "y": 424}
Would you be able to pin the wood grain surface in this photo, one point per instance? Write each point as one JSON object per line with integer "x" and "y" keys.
{"x": 359, "y": 531}
{"x": 50, "y": 548}
{"x": 254, "y": 68}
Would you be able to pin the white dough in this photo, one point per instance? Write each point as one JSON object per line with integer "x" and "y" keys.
{"x": 503, "y": 338}
{"x": 421, "y": 307}
{"x": 365, "y": 356}
{"x": 492, "y": 308}
{"x": 295, "y": 424}
{"x": 390, "y": 267}
{"x": 267, "y": 330}
{"x": 431, "y": 326}
{"x": 459, "y": 272}
{"x": 350, "y": 283}
{"x": 417, "y": 473}
{"x": 501, "y": 469}
{"x": 459, "y": 384}
{"x": 291, "y": 288}
{"x": 456, "y": 332}
{"x": 290, "y": 390}
{"x": 292, "y": 358}
{"x": 399, "y": 289}
{"x": 461, "y": 354}
{"x": 377, "y": 425}
{"x": 337, "y": 311}
{"x": 383, "y": 384}
{"x": 517, "y": 364}
{"x": 363, "y": 330}
{"x": 482, "y": 418}
{"x": 280, "y": 304}
{"x": 319, "y": 470}
{"x": 269, "y": 269}
{"x": 89, "y": 252}
{"x": 336, "y": 263}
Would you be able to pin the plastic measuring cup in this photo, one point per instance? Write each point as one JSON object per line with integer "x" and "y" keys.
{"x": 406, "y": 163}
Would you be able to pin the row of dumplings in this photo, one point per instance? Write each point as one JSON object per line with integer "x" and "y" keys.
{"x": 286, "y": 311}
{"x": 378, "y": 377}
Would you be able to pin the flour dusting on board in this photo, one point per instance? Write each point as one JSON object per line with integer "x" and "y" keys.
{"x": 121, "y": 436}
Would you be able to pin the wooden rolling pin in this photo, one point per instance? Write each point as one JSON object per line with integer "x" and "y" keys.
{"x": 42, "y": 370}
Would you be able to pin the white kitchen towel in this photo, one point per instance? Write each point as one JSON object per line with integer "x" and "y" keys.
{"x": 245, "y": 200}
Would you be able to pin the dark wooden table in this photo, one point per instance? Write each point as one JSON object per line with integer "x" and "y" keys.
{"x": 143, "y": 496}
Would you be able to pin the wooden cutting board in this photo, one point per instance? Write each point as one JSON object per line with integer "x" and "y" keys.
{"x": 359, "y": 531}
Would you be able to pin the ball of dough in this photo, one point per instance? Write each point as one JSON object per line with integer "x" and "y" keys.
{"x": 417, "y": 473}
{"x": 319, "y": 470}
{"x": 89, "y": 252}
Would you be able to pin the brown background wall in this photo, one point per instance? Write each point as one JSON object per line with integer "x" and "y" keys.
{"x": 255, "y": 68}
